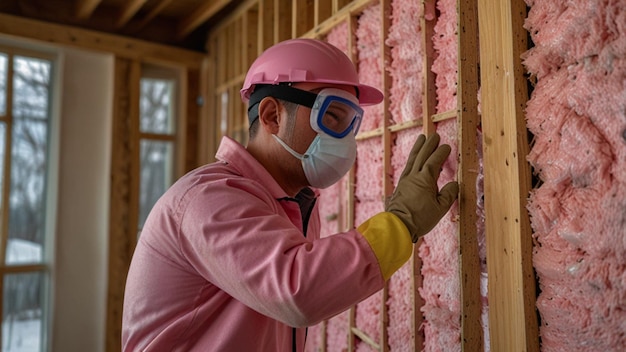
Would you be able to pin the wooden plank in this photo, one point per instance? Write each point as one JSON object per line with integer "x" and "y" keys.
{"x": 266, "y": 25}
{"x": 303, "y": 17}
{"x": 191, "y": 120}
{"x": 84, "y": 8}
{"x": 209, "y": 114}
{"x": 123, "y": 214}
{"x": 351, "y": 9}
{"x": 92, "y": 40}
{"x": 467, "y": 174}
{"x": 366, "y": 339}
{"x": 323, "y": 10}
{"x": 201, "y": 14}
{"x": 385, "y": 58}
{"x": 250, "y": 40}
{"x": 512, "y": 313}
{"x": 450, "y": 114}
{"x": 282, "y": 20}
{"x": 127, "y": 12}
{"x": 428, "y": 19}
{"x": 157, "y": 9}
{"x": 351, "y": 184}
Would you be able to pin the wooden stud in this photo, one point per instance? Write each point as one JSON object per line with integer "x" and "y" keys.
{"x": 84, "y": 8}
{"x": 129, "y": 9}
{"x": 303, "y": 17}
{"x": 385, "y": 58}
{"x": 125, "y": 192}
{"x": 195, "y": 19}
{"x": 160, "y": 6}
{"x": 468, "y": 123}
{"x": 350, "y": 194}
{"x": 428, "y": 19}
{"x": 266, "y": 25}
{"x": 190, "y": 120}
{"x": 512, "y": 312}
{"x": 282, "y": 20}
{"x": 323, "y": 10}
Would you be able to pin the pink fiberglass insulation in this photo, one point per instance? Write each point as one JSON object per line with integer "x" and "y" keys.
{"x": 368, "y": 318}
{"x": 440, "y": 270}
{"x": 338, "y": 330}
{"x": 439, "y": 251}
{"x": 405, "y": 69}
{"x": 444, "y": 66}
{"x": 370, "y": 65}
{"x": 577, "y": 113}
{"x": 338, "y": 37}
{"x": 401, "y": 290}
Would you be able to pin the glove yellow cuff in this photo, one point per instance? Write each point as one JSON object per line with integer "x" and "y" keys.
{"x": 390, "y": 240}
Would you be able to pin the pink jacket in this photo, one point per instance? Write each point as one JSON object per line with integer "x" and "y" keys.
{"x": 222, "y": 265}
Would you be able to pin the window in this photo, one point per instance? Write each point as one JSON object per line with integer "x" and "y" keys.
{"x": 157, "y": 131}
{"x": 25, "y": 125}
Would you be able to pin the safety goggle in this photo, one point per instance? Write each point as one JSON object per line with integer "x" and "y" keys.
{"x": 333, "y": 111}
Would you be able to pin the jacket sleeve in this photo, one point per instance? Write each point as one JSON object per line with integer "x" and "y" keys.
{"x": 247, "y": 244}
{"x": 390, "y": 240}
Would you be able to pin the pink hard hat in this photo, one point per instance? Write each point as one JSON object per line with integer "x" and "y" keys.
{"x": 306, "y": 60}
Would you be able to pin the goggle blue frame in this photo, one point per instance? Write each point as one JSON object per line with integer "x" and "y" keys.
{"x": 354, "y": 125}
{"x": 305, "y": 98}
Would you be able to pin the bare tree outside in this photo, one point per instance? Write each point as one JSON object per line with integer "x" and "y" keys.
{"x": 157, "y": 147}
{"x": 24, "y": 292}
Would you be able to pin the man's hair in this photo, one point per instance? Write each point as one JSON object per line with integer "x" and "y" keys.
{"x": 291, "y": 109}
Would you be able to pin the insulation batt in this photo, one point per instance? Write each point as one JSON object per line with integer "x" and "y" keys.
{"x": 370, "y": 65}
{"x": 439, "y": 251}
{"x": 577, "y": 113}
{"x": 401, "y": 291}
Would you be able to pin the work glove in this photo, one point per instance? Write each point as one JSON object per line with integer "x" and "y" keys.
{"x": 417, "y": 200}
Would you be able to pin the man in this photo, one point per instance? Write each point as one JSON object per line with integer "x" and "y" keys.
{"x": 230, "y": 257}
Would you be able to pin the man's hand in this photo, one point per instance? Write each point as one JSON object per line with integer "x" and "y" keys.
{"x": 417, "y": 200}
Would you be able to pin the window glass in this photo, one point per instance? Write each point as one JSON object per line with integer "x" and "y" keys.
{"x": 3, "y": 84}
{"x": 23, "y": 312}
{"x": 156, "y": 105}
{"x": 29, "y": 160}
{"x": 157, "y": 160}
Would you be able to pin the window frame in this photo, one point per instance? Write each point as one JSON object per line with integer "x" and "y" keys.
{"x": 45, "y": 268}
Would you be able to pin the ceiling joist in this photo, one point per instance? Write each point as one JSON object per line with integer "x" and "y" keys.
{"x": 195, "y": 19}
{"x": 128, "y": 11}
{"x": 84, "y": 8}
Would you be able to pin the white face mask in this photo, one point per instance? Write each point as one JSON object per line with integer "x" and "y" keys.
{"x": 327, "y": 159}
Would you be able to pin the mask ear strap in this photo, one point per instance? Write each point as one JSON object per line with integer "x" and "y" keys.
{"x": 288, "y": 148}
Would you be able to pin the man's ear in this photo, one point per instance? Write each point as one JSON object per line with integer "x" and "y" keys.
{"x": 269, "y": 114}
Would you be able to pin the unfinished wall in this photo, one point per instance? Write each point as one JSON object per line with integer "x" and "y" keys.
{"x": 577, "y": 114}
{"x": 409, "y": 49}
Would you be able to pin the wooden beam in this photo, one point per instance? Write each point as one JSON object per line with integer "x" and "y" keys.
{"x": 84, "y": 8}
{"x": 123, "y": 215}
{"x": 468, "y": 122}
{"x": 206, "y": 10}
{"x": 92, "y": 40}
{"x": 153, "y": 13}
{"x": 512, "y": 311}
{"x": 429, "y": 89}
{"x": 385, "y": 57}
{"x": 128, "y": 11}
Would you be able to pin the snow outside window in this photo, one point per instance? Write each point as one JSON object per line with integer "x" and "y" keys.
{"x": 25, "y": 124}
{"x": 157, "y": 137}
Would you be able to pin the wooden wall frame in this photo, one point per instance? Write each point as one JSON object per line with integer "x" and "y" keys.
{"x": 512, "y": 311}
{"x": 491, "y": 17}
